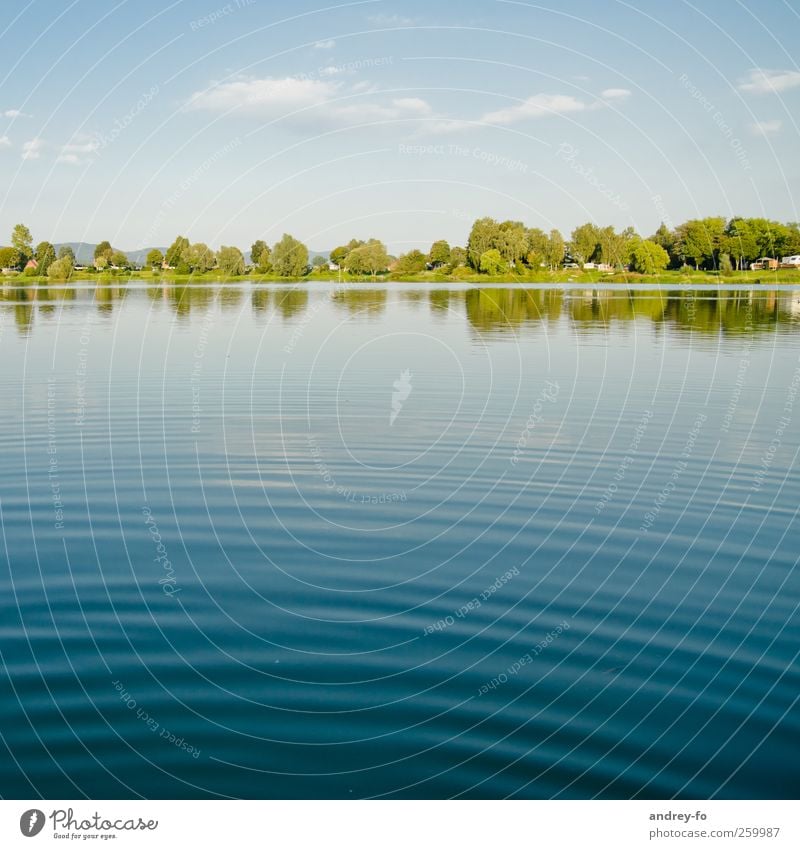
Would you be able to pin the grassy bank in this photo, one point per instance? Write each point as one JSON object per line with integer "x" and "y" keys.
{"x": 460, "y": 275}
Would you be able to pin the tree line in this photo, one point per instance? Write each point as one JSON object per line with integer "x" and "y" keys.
{"x": 493, "y": 247}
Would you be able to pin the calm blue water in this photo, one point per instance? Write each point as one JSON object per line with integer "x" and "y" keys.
{"x": 402, "y": 542}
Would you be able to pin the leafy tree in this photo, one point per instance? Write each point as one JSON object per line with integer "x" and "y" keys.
{"x": 512, "y": 241}
{"x": 536, "y": 247}
{"x": 484, "y": 235}
{"x": 177, "y": 252}
{"x": 104, "y": 250}
{"x": 61, "y": 269}
{"x": 289, "y": 257}
{"x": 554, "y": 250}
{"x": 492, "y": 262}
{"x": 183, "y": 267}
{"x": 256, "y": 249}
{"x": 10, "y": 258}
{"x": 369, "y": 258}
{"x": 155, "y": 259}
{"x": 458, "y": 257}
{"x": 338, "y": 255}
{"x": 584, "y": 243}
{"x": 265, "y": 260}
{"x": 319, "y": 262}
{"x": 230, "y": 260}
{"x": 66, "y": 251}
{"x": 200, "y": 258}
{"x": 439, "y": 253}
{"x": 101, "y": 262}
{"x": 45, "y": 256}
{"x": 666, "y": 238}
{"x": 648, "y": 258}
{"x": 22, "y": 240}
{"x": 413, "y": 262}
{"x": 120, "y": 259}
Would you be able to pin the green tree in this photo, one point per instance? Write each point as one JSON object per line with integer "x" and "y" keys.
{"x": 200, "y": 258}
{"x": 484, "y": 235}
{"x": 439, "y": 253}
{"x": 256, "y": 249}
{"x": 648, "y": 258}
{"x": 492, "y": 262}
{"x": 155, "y": 259}
{"x": 584, "y": 245}
{"x": 338, "y": 255}
{"x": 319, "y": 262}
{"x": 666, "y": 238}
{"x": 554, "y": 250}
{"x": 104, "y": 249}
{"x": 230, "y": 260}
{"x": 10, "y": 258}
{"x": 177, "y": 252}
{"x": 458, "y": 257}
{"x": 512, "y": 241}
{"x": 265, "y": 261}
{"x": 22, "y": 240}
{"x": 61, "y": 269}
{"x": 66, "y": 251}
{"x": 289, "y": 257}
{"x": 412, "y": 262}
{"x": 536, "y": 247}
{"x": 370, "y": 258}
{"x": 120, "y": 259}
{"x": 45, "y": 256}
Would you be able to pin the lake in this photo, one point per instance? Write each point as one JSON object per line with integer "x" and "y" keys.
{"x": 399, "y": 541}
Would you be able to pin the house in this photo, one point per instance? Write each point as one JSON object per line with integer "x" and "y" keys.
{"x": 31, "y": 263}
{"x": 764, "y": 264}
{"x": 791, "y": 261}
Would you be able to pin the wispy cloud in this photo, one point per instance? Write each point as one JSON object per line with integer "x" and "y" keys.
{"x": 78, "y": 151}
{"x": 15, "y": 113}
{"x": 616, "y": 94}
{"x": 268, "y": 97}
{"x": 318, "y": 100}
{"x": 537, "y": 106}
{"x": 766, "y": 128}
{"x": 532, "y": 108}
{"x": 32, "y": 149}
{"x": 5, "y": 141}
{"x": 327, "y": 44}
{"x": 764, "y": 81}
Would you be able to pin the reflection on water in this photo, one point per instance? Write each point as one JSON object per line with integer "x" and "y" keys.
{"x": 399, "y": 541}
{"x": 491, "y": 309}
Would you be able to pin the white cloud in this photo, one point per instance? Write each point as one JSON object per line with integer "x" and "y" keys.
{"x": 79, "y": 150}
{"x": 328, "y": 44}
{"x": 764, "y": 81}
{"x": 766, "y": 128}
{"x": 615, "y": 94}
{"x": 32, "y": 149}
{"x": 265, "y": 97}
{"x": 15, "y": 113}
{"x": 5, "y": 141}
{"x": 326, "y": 100}
{"x": 538, "y": 106}
{"x": 412, "y": 104}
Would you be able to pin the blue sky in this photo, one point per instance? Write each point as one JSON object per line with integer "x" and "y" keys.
{"x": 138, "y": 120}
